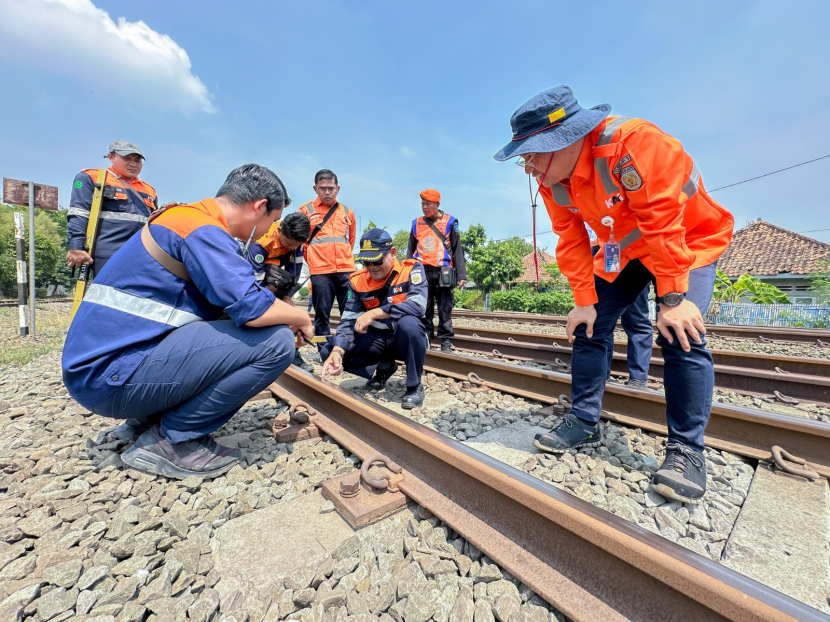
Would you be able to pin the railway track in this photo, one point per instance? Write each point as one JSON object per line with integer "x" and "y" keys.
{"x": 8, "y": 303}
{"x": 589, "y": 564}
{"x": 794, "y": 379}
{"x": 764, "y": 333}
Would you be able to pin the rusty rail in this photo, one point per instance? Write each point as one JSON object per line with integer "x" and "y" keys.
{"x": 589, "y": 564}
{"x": 770, "y": 333}
{"x": 805, "y": 379}
{"x": 744, "y": 431}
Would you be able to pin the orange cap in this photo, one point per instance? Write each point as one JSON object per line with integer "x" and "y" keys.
{"x": 431, "y": 195}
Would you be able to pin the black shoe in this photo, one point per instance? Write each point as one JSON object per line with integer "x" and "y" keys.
{"x": 446, "y": 345}
{"x": 300, "y": 362}
{"x": 383, "y": 372}
{"x": 572, "y": 433}
{"x": 202, "y": 457}
{"x": 413, "y": 397}
{"x": 682, "y": 476}
{"x": 637, "y": 383}
{"x": 128, "y": 431}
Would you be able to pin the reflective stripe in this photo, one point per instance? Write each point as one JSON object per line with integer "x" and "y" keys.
{"x": 78, "y": 211}
{"x": 607, "y": 132}
{"x": 329, "y": 239}
{"x": 629, "y": 239}
{"x": 418, "y": 299}
{"x": 123, "y": 216}
{"x": 560, "y": 195}
{"x": 350, "y": 315}
{"x": 604, "y": 171}
{"x": 690, "y": 187}
{"x": 139, "y": 306}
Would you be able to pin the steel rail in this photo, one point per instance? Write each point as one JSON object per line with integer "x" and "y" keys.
{"x": 771, "y": 333}
{"x": 801, "y": 378}
{"x": 744, "y": 431}
{"x": 588, "y": 563}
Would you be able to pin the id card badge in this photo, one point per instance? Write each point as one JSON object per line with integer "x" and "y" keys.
{"x": 612, "y": 256}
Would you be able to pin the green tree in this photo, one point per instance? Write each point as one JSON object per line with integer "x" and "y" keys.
{"x": 521, "y": 246}
{"x": 472, "y": 239}
{"x": 401, "y": 241}
{"x": 495, "y": 264}
{"x": 820, "y": 281}
{"x": 747, "y": 286}
{"x": 371, "y": 225}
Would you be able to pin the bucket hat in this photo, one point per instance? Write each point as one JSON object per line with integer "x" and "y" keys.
{"x": 374, "y": 244}
{"x": 550, "y": 121}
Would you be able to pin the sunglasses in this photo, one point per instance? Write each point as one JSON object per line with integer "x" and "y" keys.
{"x": 372, "y": 263}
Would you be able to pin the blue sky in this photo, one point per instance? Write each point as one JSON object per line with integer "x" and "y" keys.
{"x": 399, "y": 96}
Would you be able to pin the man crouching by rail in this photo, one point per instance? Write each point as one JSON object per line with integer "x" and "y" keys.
{"x": 147, "y": 344}
{"x": 383, "y": 320}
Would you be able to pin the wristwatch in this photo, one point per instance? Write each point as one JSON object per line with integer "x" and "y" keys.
{"x": 672, "y": 299}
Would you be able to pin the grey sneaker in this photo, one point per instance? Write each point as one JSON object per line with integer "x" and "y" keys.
{"x": 202, "y": 457}
{"x": 637, "y": 383}
{"x": 572, "y": 433}
{"x": 682, "y": 476}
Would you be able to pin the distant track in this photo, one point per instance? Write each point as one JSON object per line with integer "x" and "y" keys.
{"x": 10, "y": 303}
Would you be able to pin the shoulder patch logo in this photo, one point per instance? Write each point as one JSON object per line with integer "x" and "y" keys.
{"x": 79, "y": 184}
{"x": 416, "y": 277}
{"x": 630, "y": 178}
{"x": 259, "y": 258}
{"x": 623, "y": 161}
{"x": 455, "y": 227}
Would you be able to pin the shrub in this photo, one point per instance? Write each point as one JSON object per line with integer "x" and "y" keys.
{"x": 471, "y": 299}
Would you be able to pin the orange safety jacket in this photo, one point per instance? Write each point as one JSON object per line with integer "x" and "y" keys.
{"x": 640, "y": 176}
{"x": 431, "y": 250}
{"x": 331, "y": 249}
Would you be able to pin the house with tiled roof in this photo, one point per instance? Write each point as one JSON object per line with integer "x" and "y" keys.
{"x": 529, "y": 269}
{"x": 777, "y": 256}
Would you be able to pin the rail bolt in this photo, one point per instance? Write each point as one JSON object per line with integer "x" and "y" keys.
{"x": 349, "y": 489}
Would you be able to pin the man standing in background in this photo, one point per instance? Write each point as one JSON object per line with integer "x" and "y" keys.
{"x": 328, "y": 251}
{"x": 126, "y": 205}
{"x": 435, "y": 241}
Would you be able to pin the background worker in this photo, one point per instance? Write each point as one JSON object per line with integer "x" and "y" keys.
{"x": 643, "y": 195}
{"x": 329, "y": 250}
{"x": 638, "y": 330}
{"x": 278, "y": 255}
{"x": 146, "y": 344}
{"x": 125, "y": 207}
{"x": 435, "y": 241}
{"x": 384, "y": 320}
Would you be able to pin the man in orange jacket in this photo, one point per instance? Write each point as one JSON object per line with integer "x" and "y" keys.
{"x": 643, "y": 196}
{"x": 328, "y": 252}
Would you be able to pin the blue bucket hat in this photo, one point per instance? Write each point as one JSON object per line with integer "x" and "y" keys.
{"x": 550, "y": 121}
{"x": 374, "y": 244}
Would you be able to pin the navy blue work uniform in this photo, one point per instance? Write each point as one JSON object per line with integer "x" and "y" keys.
{"x": 124, "y": 210}
{"x": 148, "y": 345}
{"x": 403, "y": 336}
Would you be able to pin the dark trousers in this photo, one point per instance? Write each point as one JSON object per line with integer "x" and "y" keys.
{"x": 640, "y": 335}
{"x": 446, "y": 301}
{"x": 407, "y": 342}
{"x": 326, "y": 288}
{"x": 200, "y": 375}
{"x": 688, "y": 377}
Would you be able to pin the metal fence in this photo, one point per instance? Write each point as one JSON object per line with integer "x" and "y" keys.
{"x": 750, "y": 314}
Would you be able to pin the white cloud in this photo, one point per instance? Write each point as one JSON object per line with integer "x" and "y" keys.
{"x": 409, "y": 153}
{"x": 127, "y": 58}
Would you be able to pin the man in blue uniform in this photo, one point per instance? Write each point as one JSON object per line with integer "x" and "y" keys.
{"x": 126, "y": 205}
{"x": 147, "y": 344}
{"x": 383, "y": 320}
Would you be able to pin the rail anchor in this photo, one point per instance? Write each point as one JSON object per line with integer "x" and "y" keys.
{"x": 369, "y": 495}
{"x": 295, "y": 425}
{"x": 784, "y": 460}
